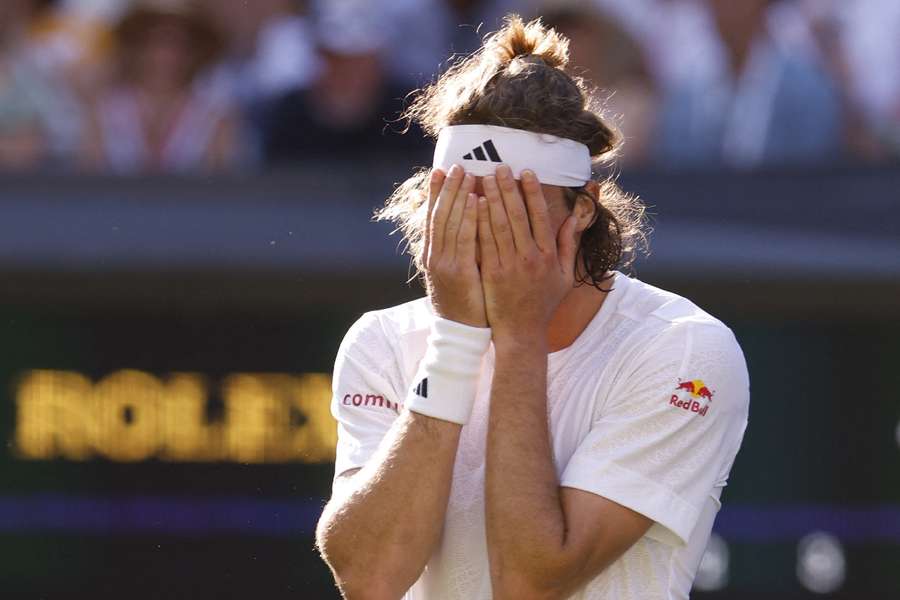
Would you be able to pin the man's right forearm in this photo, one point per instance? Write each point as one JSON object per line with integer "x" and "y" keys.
{"x": 382, "y": 524}
{"x": 380, "y": 528}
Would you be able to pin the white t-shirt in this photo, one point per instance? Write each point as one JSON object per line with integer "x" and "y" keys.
{"x": 647, "y": 408}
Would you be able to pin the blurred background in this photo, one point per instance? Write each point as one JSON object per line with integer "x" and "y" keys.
{"x": 185, "y": 193}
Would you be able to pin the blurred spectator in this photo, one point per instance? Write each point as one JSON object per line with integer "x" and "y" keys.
{"x": 39, "y": 119}
{"x": 861, "y": 41}
{"x": 745, "y": 86}
{"x": 154, "y": 116}
{"x": 421, "y": 35}
{"x": 639, "y": 17}
{"x": 693, "y": 82}
{"x": 69, "y": 38}
{"x": 602, "y": 51}
{"x": 352, "y": 107}
{"x": 105, "y": 11}
{"x": 270, "y": 50}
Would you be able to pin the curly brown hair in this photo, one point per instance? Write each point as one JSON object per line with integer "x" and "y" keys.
{"x": 517, "y": 79}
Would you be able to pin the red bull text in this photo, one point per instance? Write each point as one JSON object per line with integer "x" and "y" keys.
{"x": 698, "y": 400}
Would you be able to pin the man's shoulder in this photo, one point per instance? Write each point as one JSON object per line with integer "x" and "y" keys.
{"x": 389, "y": 326}
{"x": 668, "y": 325}
{"x": 674, "y": 338}
{"x": 655, "y": 308}
{"x": 401, "y": 319}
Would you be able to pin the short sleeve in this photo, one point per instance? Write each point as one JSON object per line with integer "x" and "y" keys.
{"x": 365, "y": 399}
{"x": 667, "y": 434}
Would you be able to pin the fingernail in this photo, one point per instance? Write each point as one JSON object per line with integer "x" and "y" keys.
{"x": 490, "y": 179}
{"x": 504, "y": 171}
{"x": 455, "y": 170}
{"x": 527, "y": 175}
{"x": 435, "y": 175}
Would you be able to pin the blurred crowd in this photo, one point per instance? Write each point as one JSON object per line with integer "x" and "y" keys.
{"x": 138, "y": 86}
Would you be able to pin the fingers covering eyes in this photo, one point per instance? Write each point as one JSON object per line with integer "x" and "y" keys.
{"x": 436, "y": 180}
{"x": 455, "y": 218}
{"x": 515, "y": 209}
{"x": 500, "y": 228}
{"x": 486, "y": 242}
{"x": 465, "y": 240}
{"x": 443, "y": 205}
{"x": 537, "y": 212}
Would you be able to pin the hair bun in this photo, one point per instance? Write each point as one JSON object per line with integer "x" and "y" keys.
{"x": 531, "y": 42}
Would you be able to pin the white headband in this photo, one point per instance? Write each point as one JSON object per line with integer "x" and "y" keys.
{"x": 479, "y": 149}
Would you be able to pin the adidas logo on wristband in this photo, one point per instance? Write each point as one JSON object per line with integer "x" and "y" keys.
{"x": 422, "y": 388}
{"x": 451, "y": 369}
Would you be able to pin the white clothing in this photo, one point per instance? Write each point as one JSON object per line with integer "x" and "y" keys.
{"x": 124, "y": 139}
{"x": 870, "y": 40}
{"x": 740, "y": 118}
{"x": 627, "y": 422}
{"x": 437, "y": 32}
{"x": 284, "y": 59}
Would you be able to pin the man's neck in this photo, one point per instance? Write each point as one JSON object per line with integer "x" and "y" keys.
{"x": 573, "y": 315}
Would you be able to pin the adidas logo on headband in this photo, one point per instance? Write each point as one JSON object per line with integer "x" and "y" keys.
{"x": 479, "y": 151}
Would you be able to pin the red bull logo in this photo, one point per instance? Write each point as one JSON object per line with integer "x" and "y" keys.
{"x": 699, "y": 396}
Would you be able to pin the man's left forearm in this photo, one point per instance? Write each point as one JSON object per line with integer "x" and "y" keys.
{"x": 525, "y": 521}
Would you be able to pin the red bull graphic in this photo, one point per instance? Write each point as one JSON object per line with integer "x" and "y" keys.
{"x": 699, "y": 396}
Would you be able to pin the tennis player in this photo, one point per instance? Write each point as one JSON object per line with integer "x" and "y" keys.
{"x": 540, "y": 425}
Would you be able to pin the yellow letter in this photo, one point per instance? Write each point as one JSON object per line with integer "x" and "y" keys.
{"x": 316, "y": 440}
{"x": 54, "y": 416}
{"x": 187, "y": 435}
{"x": 249, "y": 404}
{"x": 128, "y": 409}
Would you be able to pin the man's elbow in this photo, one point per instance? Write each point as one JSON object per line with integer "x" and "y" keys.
{"x": 524, "y": 588}
{"x": 362, "y": 582}
{"x": 327, "y": 542}
{"x": 547, "y": 581}
{"x": 357, "y": 574}
{"x": 354, "y": 580}
{"x": 367, "y": 586}
{"x": 340, "y": 560}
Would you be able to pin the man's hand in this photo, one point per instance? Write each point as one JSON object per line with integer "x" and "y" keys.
{"x": 543, "y": 541}
{"x": 450, "y": 240}
{"x": 526, "y": 269}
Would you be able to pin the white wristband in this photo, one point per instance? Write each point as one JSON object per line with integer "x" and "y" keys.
{"x": 447, "y": 380}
